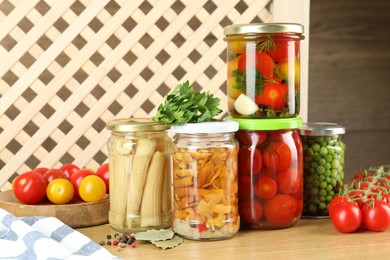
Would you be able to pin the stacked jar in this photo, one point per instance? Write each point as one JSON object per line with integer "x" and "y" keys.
{"x": 263, "y": 88}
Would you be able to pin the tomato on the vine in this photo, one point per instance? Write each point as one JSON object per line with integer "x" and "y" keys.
{"x": 104, "y": 173}
{"x": 76, "y": 179}
{"x": 265, "y": 187}
{"x": 92, "y": 188}
{"x": 251, "y": 211}
{"x": 336, "y": 200}
{"x": 263, "y": 63}
{"x": 280, "y": 210}
{"x": 376, "y": 215}
{"x": 277, "y": 156}
{"x": 346, "y": 216}
{"x": 69, "y": 169}
{"x": 54, "y": 174}
{"x": 29, "y": 187}
{"x": 60, "y": 191}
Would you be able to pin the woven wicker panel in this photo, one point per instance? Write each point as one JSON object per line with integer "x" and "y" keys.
{"x": 68, "y": 67}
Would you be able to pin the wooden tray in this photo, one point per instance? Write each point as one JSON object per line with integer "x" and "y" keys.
{"x": 75, "y": 215}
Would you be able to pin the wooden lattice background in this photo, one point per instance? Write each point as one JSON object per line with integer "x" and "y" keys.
{"x": 68, "y": 67}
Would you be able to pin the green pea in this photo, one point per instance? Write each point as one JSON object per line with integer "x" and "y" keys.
{"x": 320, "y": 169}
{"x": 322, "y": 162}
{"x": 323, "y": 192}
{"x": 316, "y": 147}
{"x": 315, "y": 191}
{"x": 322, "y": 205}
{"x": 327, "y": 166}
{"x": 328, "y": 158}
{"x": 323, "y": 184}
{"x": 335, "y": 164}
{"x": 329, "y": 198}
{"x": 316, "y": 156}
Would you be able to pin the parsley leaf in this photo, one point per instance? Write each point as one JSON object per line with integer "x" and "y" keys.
{"x": 184, "y": 105}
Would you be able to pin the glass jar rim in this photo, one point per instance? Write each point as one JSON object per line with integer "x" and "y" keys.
{"x": 269, "y": 124}
{"x": 321, "y": 129}
{"x": 135, "y": 125}
{"x": 212, "y": 127}
{"x": 254, "y": 28}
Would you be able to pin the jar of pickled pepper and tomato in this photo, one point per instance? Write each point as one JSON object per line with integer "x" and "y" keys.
{"x": 323, "y": 161}
{"x": 270, "y": 172}
{"x": 263, "y": 69}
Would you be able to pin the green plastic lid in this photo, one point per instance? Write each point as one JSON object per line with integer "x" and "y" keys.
{"x": 268, "y": 124}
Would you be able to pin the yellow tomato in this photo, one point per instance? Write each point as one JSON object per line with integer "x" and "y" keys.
{"x": 232, "y": 65}
{"x": 284, "y": 70}
{"x": 237, "y": 47}
{"x": 233, "y": 90}
{"x": 92, "y": 188}
{"x": 60, "y": 191}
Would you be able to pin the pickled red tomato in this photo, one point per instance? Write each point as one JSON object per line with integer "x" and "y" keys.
{"x": 250, "y": 161}
{"x": 281, "y": 210}
{"x": 263, "y": 63}
{"x": 289, "y": 181}
{"x": 282, "y": 49}
{"x": 251, "y": 138}
{"x": 277, "y": 156}
{"x": 250, "y": 211}
{"x": 265, "y": 187}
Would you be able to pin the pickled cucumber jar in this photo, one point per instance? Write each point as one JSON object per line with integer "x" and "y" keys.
{"x": 324, "y": 154}
{"x": 270, "y": 172}
{"x": 205, "y": 180}
{"x": 139, "y": 152}
{"x": 263, "y": 69}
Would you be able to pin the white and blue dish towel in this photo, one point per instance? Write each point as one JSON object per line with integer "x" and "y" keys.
{"x": 44, "y": 238}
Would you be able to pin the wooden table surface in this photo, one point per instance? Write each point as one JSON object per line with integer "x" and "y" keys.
{"x": 308, "y": 239}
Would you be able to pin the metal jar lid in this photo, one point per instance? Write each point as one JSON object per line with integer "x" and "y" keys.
{"x": 321, "y": 129}
{"x": 135, "y": 125}
{"x": 255, "y": 28}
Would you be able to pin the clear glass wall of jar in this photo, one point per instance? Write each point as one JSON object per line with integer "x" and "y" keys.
{"x": 205, "y": 180}
{"x": 270, "y": 172}
{"x": 263, "y": 69}
{"x": 324, "y": 154}
{"x": 139, "y": 153}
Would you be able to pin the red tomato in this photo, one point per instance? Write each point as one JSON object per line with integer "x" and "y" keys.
{"x": 288, "y": 181}
{"x": 250, "y": 161}
{"x": 69, "y": 169}
{"x": 376, "y": 215}
{"x": 346, "y": 216}
{"x": 273, "y": 96}
{"x": 263, "y": 63}
{"x": 76, "y": 178}
{"x": 386, "y": 198}
{"x": 54, "y": 174}
{"x": 265, "y": 188}
{"x": 104, "y": 173}
{"x": 29, "y": 187}
{"x": 336, "y": 200}
{"x": 41, "y": 170}
{"x": 244, "y": 187}
{"x": 251, "y": 138}
{"x": 282, "y": 49}
{"x": 277, "y": 156}
{"x": 281, "y": 210}
{"x": 251, "y": 212}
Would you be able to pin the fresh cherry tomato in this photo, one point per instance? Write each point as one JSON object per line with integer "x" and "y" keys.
{"x": 60, "y": 191}
{"x": 265, "y": 187}
{"x": 376, "y": 215}
{"x": 288, "y": 181}
{"x": 76, "y": 179}
{"x": 273, "y": 96}
{"x": 69, "y": 169}
{"x": 54, "y": 174}
{"x": 358, "y": 197}
{"x": 280, "y": 210}
{"x": 104, "y": 173}
{"x": 263, "y": 62}
{"x": 92, "y": 188}
{"x": 251, "y": 212}
{"x": 277, "y": 156}
{"x": 336, "y": 200}
{"x": 250, "y": 161}
{"x": 29, "y": 187}
{"x": 346, "y": 216}
{"x": 41, "y": 170}
{"x": 386, "y": 198}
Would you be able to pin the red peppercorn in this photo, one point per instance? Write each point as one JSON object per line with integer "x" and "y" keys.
{"x": 133, "y": 245}
{"x": 115, "y": 242}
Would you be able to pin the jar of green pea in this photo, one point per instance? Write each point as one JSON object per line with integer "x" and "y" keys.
{"x": 323, "y": 171}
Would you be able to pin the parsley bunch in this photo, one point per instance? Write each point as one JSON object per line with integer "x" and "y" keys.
{"x": 185, "y": 105}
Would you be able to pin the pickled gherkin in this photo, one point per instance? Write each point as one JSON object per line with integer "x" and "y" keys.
{"x": 324, "y": 154}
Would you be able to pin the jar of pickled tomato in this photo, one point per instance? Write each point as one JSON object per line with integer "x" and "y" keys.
{"x": 270, "y": 172}
{"x": 205, "y": 180}
{"x": 323, "y": 161}
{"x": 139, "y": 153}
{"x": 263, "y": 69}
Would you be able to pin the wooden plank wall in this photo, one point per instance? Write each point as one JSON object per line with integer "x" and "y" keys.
{"x": 349, "y": 75}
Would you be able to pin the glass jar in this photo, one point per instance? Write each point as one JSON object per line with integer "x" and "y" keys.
{"x": 139, "y": 152}
{"x": 323, "y": 166}
{"x": 263, "y": 69}
{"x": 270, "y": 173}
{"x": 205, "y": 180}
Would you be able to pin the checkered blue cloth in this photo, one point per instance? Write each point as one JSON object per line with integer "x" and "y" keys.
{"x": 45, "y": 238}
